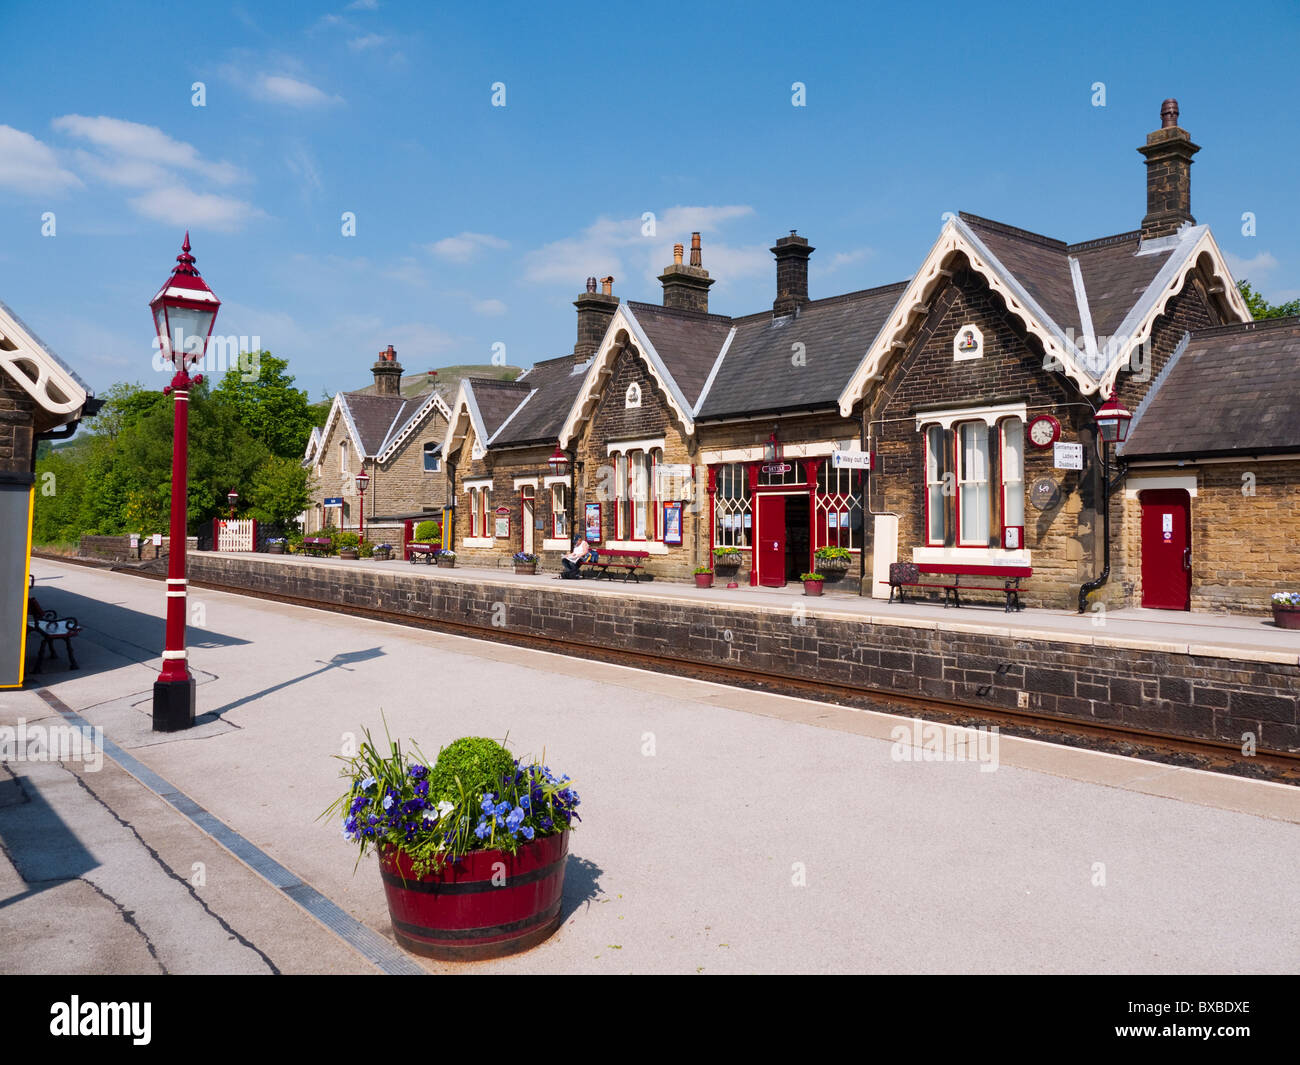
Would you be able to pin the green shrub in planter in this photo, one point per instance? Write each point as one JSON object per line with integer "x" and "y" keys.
{"x": 469, "y": 766}
{"x": 428, "y": 532}
{"x": 344, "y": 539}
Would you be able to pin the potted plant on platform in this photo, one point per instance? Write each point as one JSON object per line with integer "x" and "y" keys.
{"x": 812, "y": 583}
{"x": 727, "y": 561}
{"x": 525, "y": 563}
{"x": 471, "y": 847}
{"x": 348, "y": 545}
{"x": 703, "y": 577}
{"x": 275, "y": 545}
{"x": 833, "y": 562}
{"x": 447, "y": 559}
{"x": 382, "y": 552}
{"x": 1286, "y": 610}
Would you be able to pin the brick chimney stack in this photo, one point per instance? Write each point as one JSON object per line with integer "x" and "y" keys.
{"x": 687, "y": 286}
{"x": 1168, "y": 152}
{"x": 595, "y": 311}
{"x": 791, "y": 274}
{"x": 388, "y": 373}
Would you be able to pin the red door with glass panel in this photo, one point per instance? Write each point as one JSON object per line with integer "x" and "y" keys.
{"x": 769, "y": 545}
{"x": 1166, "y": 548}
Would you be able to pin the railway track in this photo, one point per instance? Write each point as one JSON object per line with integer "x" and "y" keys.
{"x": 1213, "y": 755}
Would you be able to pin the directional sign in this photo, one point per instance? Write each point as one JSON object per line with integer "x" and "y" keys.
{"x": 1067, "y": 456}
{"x": 853, "y": 460}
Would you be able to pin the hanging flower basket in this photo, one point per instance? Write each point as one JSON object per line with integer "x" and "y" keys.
{"x": 833, "y": 562}
{"x": 727, "y": 562}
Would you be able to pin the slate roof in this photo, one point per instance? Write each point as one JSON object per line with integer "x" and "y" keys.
{"x": 1229, "y": 390}
{"x": 759, "y": 374}
{"x": 496, "y": 400}
{"x": 376, "y": 416}
{"x": 1041, "y": 265}
{"x": 552, "y": 386}
{"x": 1115, "y": 276}
{"x": 687, "y": 341}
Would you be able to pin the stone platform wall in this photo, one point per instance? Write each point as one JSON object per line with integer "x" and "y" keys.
{"x": 1146, "y": 688}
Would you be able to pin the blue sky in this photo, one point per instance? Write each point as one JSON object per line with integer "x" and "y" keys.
{"x": 477, "y": 225}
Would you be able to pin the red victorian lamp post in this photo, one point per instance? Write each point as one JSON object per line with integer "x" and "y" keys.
{"x": 232, "y": 497}
{"x": 184, "y": 311}
{"x": 363, "y": 481}
{"x": 1112, "y": 428}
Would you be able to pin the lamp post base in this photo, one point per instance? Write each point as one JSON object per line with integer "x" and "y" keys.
{"x": 173, "y": 705}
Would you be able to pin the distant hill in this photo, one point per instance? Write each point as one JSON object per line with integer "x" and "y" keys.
{"x": 448, "y": 379}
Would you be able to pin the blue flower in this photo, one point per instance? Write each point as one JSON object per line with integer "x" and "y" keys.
{"x": 418, "y": 772}
{"x": 368, "y": 783}
{"x": 422, "y": 789}
{"x": 514, "y": 819}
{"x": 528, "y": 831}
{"x": 388, "y": 801}
{"x": 482, "y": 830}
{"x": 525, "y": 802}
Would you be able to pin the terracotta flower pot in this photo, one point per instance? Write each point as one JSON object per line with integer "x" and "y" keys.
{"x": 704, "y": 580}
{"x": 1286, "y": 617}
{"x": 487, "y": 905}
{"x": 812, "y": 587}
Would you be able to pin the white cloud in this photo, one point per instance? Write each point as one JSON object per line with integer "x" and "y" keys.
{"x": 369, "y": 40}
{"x": 619, "y": 247}
{"x": 490, "y": 307}
{"x": 292, "y": 91}
{"x": 135, "y": 154}
{"x": 839, "y": 259}
{"x": 465, "y": 246}
{"x": 182, "y": 206}
{"x": 28, "y": 165}
{"x": 1262, "y": 263}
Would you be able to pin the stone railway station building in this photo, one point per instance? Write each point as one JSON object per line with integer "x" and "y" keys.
{"x": 686, "y": 431}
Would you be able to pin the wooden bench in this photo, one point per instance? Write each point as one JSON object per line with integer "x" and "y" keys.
{"x": 609, "y": 562}
{"x": 50, "y": 627}
{"x": 426, "y": 553}
{"x": 317, "y": 545}
{"x": 904, "y": 575}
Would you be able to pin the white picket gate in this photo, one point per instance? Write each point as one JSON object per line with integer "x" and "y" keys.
{"x": 237, "y": 535}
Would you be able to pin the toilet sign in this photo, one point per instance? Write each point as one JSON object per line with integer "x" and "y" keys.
{"x": 1066, "y": 456}
{"x": 1167, "y": 528}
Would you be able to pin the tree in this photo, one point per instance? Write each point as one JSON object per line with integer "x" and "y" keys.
{"x": 274, "y": 412}
{"x": 1261, "y": 308}
{"x": 280, "y": 491}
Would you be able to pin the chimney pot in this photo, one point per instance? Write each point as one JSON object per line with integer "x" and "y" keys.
{"x": 1168, "y": 152}
{"x": 607, "y": 285}
{"x": 695, "y": 250}
{"x": 387, "y": 372}
{"x": 791, "y": 273}
{"x": 595, "y": 312}
{"x": 677, "y": 254}
{"x": 686, "y": 287}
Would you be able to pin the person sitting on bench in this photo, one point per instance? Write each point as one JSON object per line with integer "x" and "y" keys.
{"x": 573, "y": 561}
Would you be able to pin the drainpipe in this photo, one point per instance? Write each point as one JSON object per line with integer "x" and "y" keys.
{"x": 1100, "y": 580}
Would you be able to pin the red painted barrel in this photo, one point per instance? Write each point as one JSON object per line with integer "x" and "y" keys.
{"x": 486, "y": 905}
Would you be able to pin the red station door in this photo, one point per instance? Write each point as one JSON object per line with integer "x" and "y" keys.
{"x": 1166, "y": 548}
{"x": 769, "y": 549}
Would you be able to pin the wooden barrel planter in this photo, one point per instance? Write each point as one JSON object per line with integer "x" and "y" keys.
{"x": 462, "y": 914}
{"x": 1286, "y": 617}
{"x": 526, "y": 569}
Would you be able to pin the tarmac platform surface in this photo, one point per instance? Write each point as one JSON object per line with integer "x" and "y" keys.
{"x": 723, "y": 830}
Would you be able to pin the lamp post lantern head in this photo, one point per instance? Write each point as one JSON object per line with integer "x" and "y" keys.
{"x": 184, "y": 311}
{"x": 363, "y": 479}
{"x": 232, "y": 497}
{"x": 1113, "y": 421}
{"x": 559, "y": 462}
